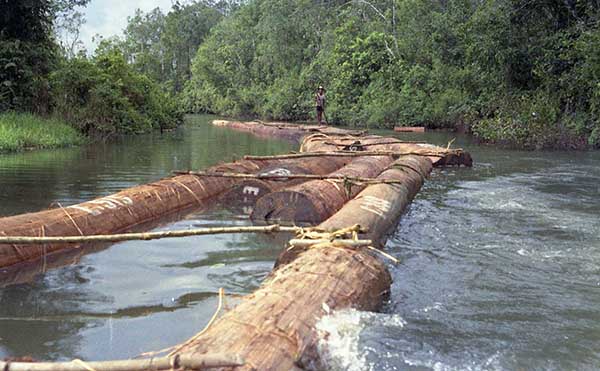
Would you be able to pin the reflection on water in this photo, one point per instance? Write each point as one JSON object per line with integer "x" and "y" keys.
{"x": 500, "y": 263}
{"x": 32, "y": 181}
{"x": 134, "y": 296}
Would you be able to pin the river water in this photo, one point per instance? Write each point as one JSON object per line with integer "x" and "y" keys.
{"x": 500, "y": 263}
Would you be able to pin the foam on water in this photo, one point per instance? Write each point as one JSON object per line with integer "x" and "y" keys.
{"x": 340, "y": 334}
{"x": 499, "y": 271}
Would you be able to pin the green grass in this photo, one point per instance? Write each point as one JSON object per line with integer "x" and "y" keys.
{"x": 20, "y": 131}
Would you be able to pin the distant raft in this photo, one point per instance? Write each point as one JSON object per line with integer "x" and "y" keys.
{"x": 409, "y": 129}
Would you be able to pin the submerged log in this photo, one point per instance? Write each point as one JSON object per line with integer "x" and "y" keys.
{"x": 117, "y": 212}
{"x": 275, "y": 327}
{"x": 314, "y": 201}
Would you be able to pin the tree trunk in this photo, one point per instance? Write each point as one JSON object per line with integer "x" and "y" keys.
{"x": 245, "y": 193}
{"x": 439, "y": 156}
{"x": 314, "y": 201}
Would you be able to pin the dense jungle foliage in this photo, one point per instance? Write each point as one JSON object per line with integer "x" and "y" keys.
{"x": 510, "y": 71}
{"x": 518, "y": 71}
{"x": 100, "y": 94}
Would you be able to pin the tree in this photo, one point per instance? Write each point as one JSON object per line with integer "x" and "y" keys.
{"x": 28, "y": 51}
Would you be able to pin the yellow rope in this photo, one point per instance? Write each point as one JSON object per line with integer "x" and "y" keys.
{"x": 334, "y": 237}
{"x": 83, "y": 364}
{"x": 72, "y": 220}
{"x": 175, "y": 348}
{"x": 316, "y": 234}
{"x": 213, "y": 318}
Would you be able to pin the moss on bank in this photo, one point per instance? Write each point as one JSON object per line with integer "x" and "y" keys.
{"x": 20, "y": 131}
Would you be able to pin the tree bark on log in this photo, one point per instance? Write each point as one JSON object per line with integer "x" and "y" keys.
{"x": 286, "y": 131}
{"x": 247, "y": 191}
{"x": 314, "y": 201}
{"x": 275, "y": 327}
{"x": 378, "y": 207}
{"x": 439, "y": 156}
{"x": 118, "y": 212}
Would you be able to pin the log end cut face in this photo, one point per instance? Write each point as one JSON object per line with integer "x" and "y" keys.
{"x": 287, "y": 206}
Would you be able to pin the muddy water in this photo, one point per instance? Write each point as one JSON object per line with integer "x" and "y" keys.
{"x": 130, "y": 297}
{"x": 499, "y": 263}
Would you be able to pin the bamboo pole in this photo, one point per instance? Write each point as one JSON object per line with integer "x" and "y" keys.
{"x": 342, "y": 242}
{"x": 394, "y": 154}
{"x": 146, "y": 236}
{"x": 196, "y": 362}
{"x": 291, "y": 176}
{"x": 373, "y": 144}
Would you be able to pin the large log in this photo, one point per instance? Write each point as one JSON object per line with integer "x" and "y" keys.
{"x": 275, "y": 327}
{"x": 439, "y": 156}
{"x": 244, "y": 194}
{"x": 280, "y": 130}
{"x": 378, "y": 207}
{"x": 314, "y": 201}
{"x": 118, "y": 212}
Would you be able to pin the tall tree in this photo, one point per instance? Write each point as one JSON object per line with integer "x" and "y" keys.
{"x": 28, "y": 50}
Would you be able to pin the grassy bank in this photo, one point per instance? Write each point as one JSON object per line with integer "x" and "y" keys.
{"x": 19, "y": 131}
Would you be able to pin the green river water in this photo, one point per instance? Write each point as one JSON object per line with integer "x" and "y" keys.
{"x": 500, "y": 263}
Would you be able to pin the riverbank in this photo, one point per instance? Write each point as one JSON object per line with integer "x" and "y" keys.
{"x": 23, "y": 131}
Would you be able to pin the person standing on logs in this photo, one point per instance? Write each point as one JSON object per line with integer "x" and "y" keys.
{"x": 320, "y": 103}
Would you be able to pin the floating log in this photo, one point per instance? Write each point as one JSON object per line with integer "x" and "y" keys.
{"x": 326, "y": 138}
{"x": 286, "y": 131}
{"x": 409, "y": 129}
{"x": 117, "y": 212}
{"x": 27, "y": 271}
{"x": 314, "y": 201}
{"x": 247, "y": 191}
{"x": 275, "y": 327}
{"x": 378, "y": 206}
{"x": 439, "y": 156}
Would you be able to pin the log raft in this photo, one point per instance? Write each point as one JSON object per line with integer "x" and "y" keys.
{"x": 274, "y": 328}
{"x": 134, "y": 206}
{"x": 314, "y": 201}
{"x": 321, "y": 138}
